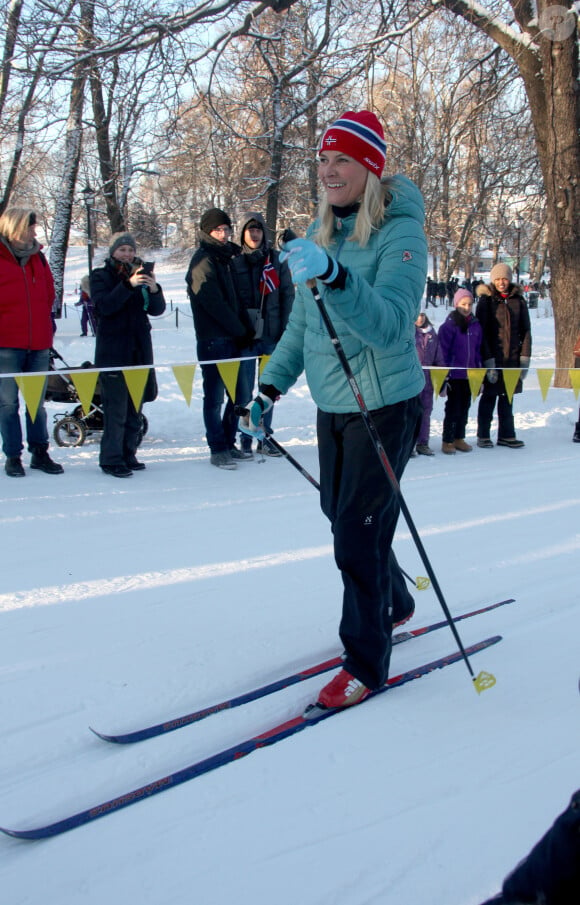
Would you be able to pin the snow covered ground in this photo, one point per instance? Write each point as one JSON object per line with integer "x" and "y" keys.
{"x": 129, "y": 602}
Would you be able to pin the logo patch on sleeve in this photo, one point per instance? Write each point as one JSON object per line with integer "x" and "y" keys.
{"x": 407, "y": 256}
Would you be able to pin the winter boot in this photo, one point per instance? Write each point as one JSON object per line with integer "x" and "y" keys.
{"x": 576, "y": 437}
{"x": 267, "y": 449}
{"x": 342, "y": 691}
{"x": 223, "y": 460}
{"x": 242, "y": 453}
{"x": 117, "y": 471}
{"x": 133, "y": 463}
{"x": 424, "y": 449}
{"x": 510, "y": 442}
{"x": 448, "y": 448}
{"x": 42, "y": 461}
{"x": 13, "y": 467}
{"x": 462, "y": 446}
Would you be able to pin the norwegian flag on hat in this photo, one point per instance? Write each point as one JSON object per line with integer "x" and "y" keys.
{"x": 270, "y": 279}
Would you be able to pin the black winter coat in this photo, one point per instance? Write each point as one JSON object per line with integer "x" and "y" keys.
{"x": 247, "y": 271}
{"x": 550, "y": 875}
{"x": 507, "y": 331}
{"x": 123, "y": 331}
{"x": 217, "y": 311}
{"x": 276, "y": 305}
{"x": 506, "y": 325}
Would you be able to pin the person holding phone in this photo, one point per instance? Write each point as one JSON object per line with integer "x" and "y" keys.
{"x": 125, "y": 293}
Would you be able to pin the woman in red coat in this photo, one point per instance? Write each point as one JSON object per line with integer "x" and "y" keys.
{"x": 26, "y": 298}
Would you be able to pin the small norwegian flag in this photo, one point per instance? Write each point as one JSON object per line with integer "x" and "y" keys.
{"x": 270, "y": 279}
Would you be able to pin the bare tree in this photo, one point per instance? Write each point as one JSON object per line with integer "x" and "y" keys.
{"x": 542, "y": 40}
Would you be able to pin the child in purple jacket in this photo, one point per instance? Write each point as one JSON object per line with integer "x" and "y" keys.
{"x": 460, "y": 338}
{"x": 429, "y": 352}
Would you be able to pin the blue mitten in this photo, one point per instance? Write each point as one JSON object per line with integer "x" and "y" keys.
{"x": 308, "y": 261}
{"x": 525, "y": 363}
{"x": 251, "y": 423}
{"x": 492, "y": 375}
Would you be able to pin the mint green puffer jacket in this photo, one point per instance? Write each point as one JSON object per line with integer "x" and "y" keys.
{"x": 374, "y": 315}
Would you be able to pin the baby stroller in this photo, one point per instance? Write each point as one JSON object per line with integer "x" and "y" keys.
{"x": 72, "y": 428}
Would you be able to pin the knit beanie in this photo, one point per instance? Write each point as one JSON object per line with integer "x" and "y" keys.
{"x": 501, "y": 271}
{"x": 461, "y": 294}
{"x": 361, "y": 136}
{"x": 213, "y": 218}
{"x": 121, "y": 239}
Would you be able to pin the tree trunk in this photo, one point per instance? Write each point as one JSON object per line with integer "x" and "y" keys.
{"x": 557, "y": 131}
{"x": 108, "y": 175}
{"x": 64, "y": 201}
{"x": 547, "y": 58}
{"x": 72, "y": 156}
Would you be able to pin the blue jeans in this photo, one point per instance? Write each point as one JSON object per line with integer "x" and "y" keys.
{"x": 247, "y": 380}
{"x": 220, "y": 427}
{"x": 14, "y": 361}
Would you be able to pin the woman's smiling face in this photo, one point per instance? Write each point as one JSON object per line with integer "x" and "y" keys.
{"x": 343, "y": 178}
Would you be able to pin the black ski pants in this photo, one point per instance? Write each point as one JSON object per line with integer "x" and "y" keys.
{"x": 357, "y": 497}
{"x": 122, "y": 422}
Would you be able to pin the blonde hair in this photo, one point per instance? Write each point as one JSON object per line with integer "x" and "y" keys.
{"x": 14, "y": 223}
{"x": 370, "y": 215}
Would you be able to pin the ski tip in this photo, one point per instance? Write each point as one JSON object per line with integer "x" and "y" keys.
{"x": 103, "y": 735}
{"x": 17, "y": 834}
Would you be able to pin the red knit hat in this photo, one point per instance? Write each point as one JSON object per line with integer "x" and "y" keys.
{"x": 361, "y": 136}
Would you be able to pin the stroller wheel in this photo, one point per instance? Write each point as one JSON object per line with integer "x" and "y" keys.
{"x": 69, "y": 431}
{"x": 144, "y": 429}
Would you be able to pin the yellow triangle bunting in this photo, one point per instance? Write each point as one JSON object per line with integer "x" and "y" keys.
{"x": 184, "y": 375}
{"x": 575, "y": 380}
{"x": 228, "y": 371}
{"x": 32, "y": 388}
{"x": 438, "y": 375}
{"x": 264, "y": 359}
{"x": 510, "y": 380}
{"x": 475, "y": 377}
{"x": 136, "y": 380}
{"x": 85, "y": 384}
{"x": 544, "y": 379}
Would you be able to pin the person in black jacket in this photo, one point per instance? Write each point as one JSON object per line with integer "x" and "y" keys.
{"x": 505, "y": 321}
{"x": 264, "y": 286}
{"x": 124, "y": 296}
{"x": 222, "y": 329}
{"x": 550, "y": 874}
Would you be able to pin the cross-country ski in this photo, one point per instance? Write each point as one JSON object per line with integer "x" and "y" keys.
{"x": 269, "y": 737}
{"x": 139, "y": 735}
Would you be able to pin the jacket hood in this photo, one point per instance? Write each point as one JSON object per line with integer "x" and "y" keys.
{"x": 489, "y": 289}
{"x": 253, "y": 215}
{"x": 406, "y": 199}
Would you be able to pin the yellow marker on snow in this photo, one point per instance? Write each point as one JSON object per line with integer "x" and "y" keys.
{"x": 483, "y": 681}
{"x": 422, "y": 582}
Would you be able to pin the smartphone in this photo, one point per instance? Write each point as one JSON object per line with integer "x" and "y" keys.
{"x": 147, "y": 267}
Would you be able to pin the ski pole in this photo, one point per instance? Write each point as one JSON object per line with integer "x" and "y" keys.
{"x": 483, "y": 680}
